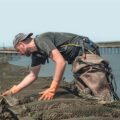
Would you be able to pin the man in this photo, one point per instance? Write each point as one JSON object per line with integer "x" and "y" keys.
{"x": 58, "y": 46}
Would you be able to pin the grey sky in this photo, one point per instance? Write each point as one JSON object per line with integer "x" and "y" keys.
{"x": 97, "y": 19}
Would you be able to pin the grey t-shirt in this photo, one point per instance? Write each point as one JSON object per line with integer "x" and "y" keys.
{"x": 48, "y": 41}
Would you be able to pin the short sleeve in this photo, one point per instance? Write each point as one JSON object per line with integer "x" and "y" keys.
{"x": 45, "y": 44}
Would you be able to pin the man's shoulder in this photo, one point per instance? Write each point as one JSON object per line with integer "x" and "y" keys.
{"x": 45, "y": 34}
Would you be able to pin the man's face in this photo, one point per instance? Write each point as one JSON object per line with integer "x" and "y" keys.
{"x": 22, "y": 49}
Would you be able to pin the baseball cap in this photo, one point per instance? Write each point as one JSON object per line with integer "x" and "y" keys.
{"x": 21, "y": 37}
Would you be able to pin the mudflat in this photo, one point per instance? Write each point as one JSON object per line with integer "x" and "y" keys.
{"x": 65, "y": 106}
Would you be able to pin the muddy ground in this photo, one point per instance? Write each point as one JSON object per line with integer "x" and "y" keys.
{"x": 65, "y": 106}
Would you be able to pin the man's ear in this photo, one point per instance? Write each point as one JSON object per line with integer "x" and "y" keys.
{"x": 21, "y": 43}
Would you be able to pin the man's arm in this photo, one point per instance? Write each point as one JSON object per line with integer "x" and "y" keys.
{"x": 32, "y": 76}
{"x": 59, "y": 70}
{"x": 60, "y": 64}
{"x": 25, "y": 82}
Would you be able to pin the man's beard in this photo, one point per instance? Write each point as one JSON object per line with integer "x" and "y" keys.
{"x": 28, "y": 53}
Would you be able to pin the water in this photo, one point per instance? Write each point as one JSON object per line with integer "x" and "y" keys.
{"x": 110, "y": 54}
{"x": 46, "y": 70}
{"x": 113, "y": 56}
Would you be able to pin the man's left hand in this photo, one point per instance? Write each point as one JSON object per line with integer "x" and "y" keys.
{"x": 48, "y": 94}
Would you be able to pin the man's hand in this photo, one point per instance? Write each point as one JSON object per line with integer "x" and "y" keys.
{"x": 50, "y": 92}
{"x": 60, "y": 64}
{"x": 11, "y": 91}
{"x": 7, "y": 93}
{"x": 47, "y": 94}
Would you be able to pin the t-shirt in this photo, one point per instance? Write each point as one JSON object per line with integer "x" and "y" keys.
{"x": 46, "y": 42}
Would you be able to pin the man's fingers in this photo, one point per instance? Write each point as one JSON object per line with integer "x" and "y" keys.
{"x": 5, "y": 93}
{"x": 40, "y": 93}
{"x": 49, "y": 98}
{"x": 42, "y": 97}
{"x": 46, "y": 97}
{"x": 43, "y": 92}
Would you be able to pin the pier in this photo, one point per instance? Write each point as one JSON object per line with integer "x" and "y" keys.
{"x": 7, "y": 51}
{"x": 7, "y": 54}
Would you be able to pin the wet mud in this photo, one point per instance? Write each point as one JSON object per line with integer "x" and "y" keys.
{"x": 65, "y": 106}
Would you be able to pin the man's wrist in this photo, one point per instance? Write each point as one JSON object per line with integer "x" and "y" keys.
{"x": 15, "y": 89}
{"x": 54, "y": 85}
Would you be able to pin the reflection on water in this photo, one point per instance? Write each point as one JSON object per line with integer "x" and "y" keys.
{"x": 111, "y": 54}
{"x": 9, "y": 57}
{"x": 115, "y": 50}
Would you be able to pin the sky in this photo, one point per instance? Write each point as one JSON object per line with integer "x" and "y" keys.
{"x": 97, "y": 19}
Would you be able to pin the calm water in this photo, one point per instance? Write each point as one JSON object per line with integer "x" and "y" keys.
{"x": 112, "y": 55}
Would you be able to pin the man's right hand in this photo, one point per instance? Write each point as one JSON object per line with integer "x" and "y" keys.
{"x": 11, "y": 91}
{"x": 7, "y": 93}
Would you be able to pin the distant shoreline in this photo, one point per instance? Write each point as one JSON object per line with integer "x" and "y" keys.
{"x": 109, "y": 44}
{"x": 100, "y": 44}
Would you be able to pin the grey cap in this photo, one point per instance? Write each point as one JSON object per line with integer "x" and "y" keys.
{"x": 21, "y": 37}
